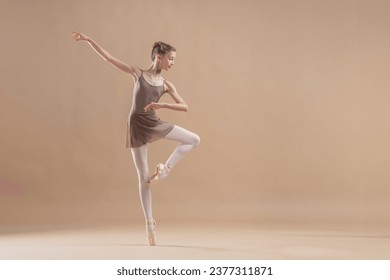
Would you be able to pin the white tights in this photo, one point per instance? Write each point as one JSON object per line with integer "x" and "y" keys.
{"x": 187, "y": 139}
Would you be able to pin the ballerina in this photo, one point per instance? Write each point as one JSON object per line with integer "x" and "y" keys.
{"x": 144, "y": 126}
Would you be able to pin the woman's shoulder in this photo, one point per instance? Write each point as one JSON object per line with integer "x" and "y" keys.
{"x": 135, "y": 72}
{"x": 138, "y": 71}
{"x": 169, "y": 86}
{"x": 168, "y": 83}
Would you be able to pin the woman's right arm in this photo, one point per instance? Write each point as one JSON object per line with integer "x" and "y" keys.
{"x": 76, "y": 36}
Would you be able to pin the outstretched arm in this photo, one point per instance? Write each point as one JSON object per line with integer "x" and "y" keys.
{"x": 179, "y": 106}
{"x": 76, "y": 36}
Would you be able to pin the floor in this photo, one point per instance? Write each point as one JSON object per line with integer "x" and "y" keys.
{"x": 198, "y": 242}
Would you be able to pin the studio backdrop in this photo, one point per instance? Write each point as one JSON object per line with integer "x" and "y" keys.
{"x": 290, "y": 98}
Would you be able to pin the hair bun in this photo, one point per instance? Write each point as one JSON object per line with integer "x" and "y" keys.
{"x": 160, "y": 47}
{"x": 157, "y": 44}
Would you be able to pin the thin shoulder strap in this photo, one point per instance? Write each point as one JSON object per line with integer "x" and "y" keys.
{"x": 142, "y": 72}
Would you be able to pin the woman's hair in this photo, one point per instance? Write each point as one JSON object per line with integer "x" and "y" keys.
{"x": 161, "y": 48}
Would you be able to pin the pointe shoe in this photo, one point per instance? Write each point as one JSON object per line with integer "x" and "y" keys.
{"x": 151, "y": 232}
{"x": 161, "y": 173}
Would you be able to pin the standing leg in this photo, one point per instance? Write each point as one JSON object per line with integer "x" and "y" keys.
{"x": 140, "y": 157}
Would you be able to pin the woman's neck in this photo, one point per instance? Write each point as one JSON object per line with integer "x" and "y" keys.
{"x": 154, "y": 70}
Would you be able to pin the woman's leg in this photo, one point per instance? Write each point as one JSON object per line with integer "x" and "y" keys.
{"x": 188, "y": 141}
{"x": 140, "y": 157}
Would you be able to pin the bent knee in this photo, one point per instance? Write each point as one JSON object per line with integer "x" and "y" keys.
{"x": 196, "y": 140}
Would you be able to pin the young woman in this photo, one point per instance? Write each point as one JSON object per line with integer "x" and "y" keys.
{"x": 144, "y": 126}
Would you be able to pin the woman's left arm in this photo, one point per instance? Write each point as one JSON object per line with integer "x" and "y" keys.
{"x": 179, "y": 106}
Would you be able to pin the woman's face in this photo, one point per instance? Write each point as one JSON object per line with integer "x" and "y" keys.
{"x": 167, "y": 60}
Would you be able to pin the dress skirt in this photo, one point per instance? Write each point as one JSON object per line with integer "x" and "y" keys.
{"x": 145, "y": 127}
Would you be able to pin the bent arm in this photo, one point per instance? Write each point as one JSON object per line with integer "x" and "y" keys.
{"x": 105, "y": 55}
{"x": 180, "y": 103}
{"x": 176, "y": 107}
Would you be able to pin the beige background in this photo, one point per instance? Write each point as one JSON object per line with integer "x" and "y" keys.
{"x": 290, "y": 99}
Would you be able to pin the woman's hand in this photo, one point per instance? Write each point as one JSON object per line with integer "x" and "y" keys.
{"x": 153, "y": 106}
{"x": 77, "y": 36}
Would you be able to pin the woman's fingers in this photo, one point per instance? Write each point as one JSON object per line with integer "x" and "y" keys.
{"x": 76, "y": 36}
{"x": 151, "y": 106}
